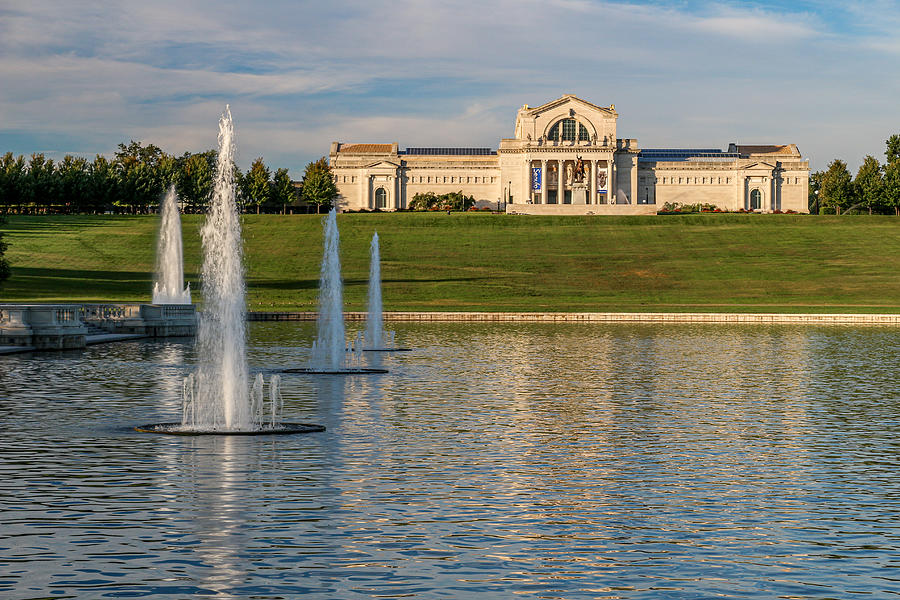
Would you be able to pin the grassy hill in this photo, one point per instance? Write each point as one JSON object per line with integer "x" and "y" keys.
{"x": 435, "y": 261}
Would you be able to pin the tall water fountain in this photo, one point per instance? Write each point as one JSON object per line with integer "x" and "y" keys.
{"x": 222, "y": 395}
{"x": 330, "y": 349}
{"x": 375, "y": 334}
{"x": 374, "y": 317}
{"x": 329, "y": 352}
{"x": 217, "y": 397}
{"x": 170, "y": 256}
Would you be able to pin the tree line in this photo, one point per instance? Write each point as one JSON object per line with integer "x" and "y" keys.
{"x": 875, "y": 189}
{"x": 136, "y": 178}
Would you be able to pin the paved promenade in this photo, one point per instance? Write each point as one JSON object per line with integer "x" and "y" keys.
{"x": 610, "y": 317}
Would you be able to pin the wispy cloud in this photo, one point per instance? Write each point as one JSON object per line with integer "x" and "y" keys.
{"x": 299, "y": 75}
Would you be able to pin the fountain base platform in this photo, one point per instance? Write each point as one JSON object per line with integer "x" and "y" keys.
{"x": 277, "y": 429}
{"x": 350, "y": 371}
{"x": 387, "y": 349}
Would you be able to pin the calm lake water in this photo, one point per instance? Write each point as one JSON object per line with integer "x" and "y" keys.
{"x": 493, "y": 461}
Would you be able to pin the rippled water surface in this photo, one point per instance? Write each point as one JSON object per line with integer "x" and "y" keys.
{"x": 493, "y": 461}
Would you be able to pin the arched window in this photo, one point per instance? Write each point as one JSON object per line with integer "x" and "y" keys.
{"x": 569, "y": 128}
{"x": 380, "y": 198}
{"x": 755, "y": 200}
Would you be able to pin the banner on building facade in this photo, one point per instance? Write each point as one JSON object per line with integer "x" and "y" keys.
{"x": 535, "y": 178}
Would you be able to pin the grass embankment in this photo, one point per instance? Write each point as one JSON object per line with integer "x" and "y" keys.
{"x": 480, "y": 262}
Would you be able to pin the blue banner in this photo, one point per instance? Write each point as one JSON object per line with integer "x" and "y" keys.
{"x": 535, "y": 178}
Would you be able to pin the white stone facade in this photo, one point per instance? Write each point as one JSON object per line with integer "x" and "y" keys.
{"x": 566, "y": 158}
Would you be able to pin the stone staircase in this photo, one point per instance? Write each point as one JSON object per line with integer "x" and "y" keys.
{"x": 94, "y": 329}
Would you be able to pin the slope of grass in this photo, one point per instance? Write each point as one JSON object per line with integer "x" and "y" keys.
{"x": 435, "y": 261}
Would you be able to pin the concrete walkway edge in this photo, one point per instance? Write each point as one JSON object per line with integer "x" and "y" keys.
{"x": 605, "y": 317}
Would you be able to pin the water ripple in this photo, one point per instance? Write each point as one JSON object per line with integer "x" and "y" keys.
{"x": 497, "y": 460}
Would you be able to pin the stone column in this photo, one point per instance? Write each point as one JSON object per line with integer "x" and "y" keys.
{"x": 633, "y": 196}
{"x": 611, "y": 184}
{"x": 608, "y": 179}
{"x": 396, "y": 192}
{"x": 561, "y": 191}
{"x": 526, "y": 191}
{"x": 745, "y": 187}
{"x": 544, "y": 181}
{"x": 773, "y": 203}
{"x": 592, "y": 182}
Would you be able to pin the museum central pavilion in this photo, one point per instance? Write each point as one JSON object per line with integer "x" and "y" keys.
{"x": 566, "y": 158}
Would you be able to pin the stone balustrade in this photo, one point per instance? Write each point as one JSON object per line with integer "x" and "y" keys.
{"x": 156, "y": 320}
{"x": 109, "y": 312}
{"x": 164, "y": 320}
{"x": 67, "y": 326}
{"x": 42, "y": 326}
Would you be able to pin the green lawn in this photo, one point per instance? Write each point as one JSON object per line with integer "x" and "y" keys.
{"x": 473, "y": 262}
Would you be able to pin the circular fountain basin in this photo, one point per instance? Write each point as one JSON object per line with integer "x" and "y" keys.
{"x": 277, "y": 429}
{"x": 350, "y": 371}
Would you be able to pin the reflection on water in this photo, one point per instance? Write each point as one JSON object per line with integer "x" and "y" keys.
{"x": 497, "y": 460}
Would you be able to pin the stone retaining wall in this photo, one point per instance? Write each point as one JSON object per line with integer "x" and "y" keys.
{"x": 63, "y": 326}
{"x": 805, "y": 318}
{"x": 42, "y": 326}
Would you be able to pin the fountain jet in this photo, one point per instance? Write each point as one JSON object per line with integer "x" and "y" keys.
{"x": 222, "y": 374}
{"x": 330, "y": 343}
{"x": 375, "y": 332}
{"x": 374, "y": 319}
{"x": 329, "y": 350}
{"x": 217, "y": 397}
{"x": 169, "y": 256}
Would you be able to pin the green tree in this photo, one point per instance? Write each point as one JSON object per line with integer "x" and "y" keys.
{"x": 73, "y": 183}
{"x": 892, "y": 174}
{"x": 4, "y": 264}
{"x": 815, "y": 189}
{"x": 457, "y": 201}
{"x": 869, "y": 184}
{"x": 13, "y": 174}
{"x": 424, "y": 201}
{"x": 255, "y": 185}
{"x": 318, "y": 185}
{"x": 892, "y": 185}
{"x": 135, "y": 152}
{"x": 837, "y": 187}
{"x": 167, "y": 170}
{"x": 892, "y": 151}
{"x": 450, "y": 201}
{"x": 139, "y": 186}
{"x": 143, "y": 174}
{"x": 195, "y": 179}
{"x": 103, "y": 185}
{"x": 283, "y": 191}
{"x": 41, "y": 186}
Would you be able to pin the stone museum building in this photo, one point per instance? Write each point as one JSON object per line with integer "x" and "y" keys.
{"x": 566, "y": 158}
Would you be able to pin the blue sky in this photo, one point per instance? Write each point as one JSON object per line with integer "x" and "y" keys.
{"x": 299, "y": 75}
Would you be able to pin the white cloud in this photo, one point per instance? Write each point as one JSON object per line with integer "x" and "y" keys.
{"x": 300, "y": 75}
